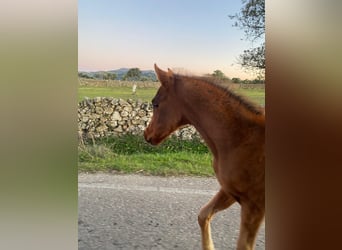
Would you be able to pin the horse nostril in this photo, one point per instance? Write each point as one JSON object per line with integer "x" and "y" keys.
{"x": 148, "y": 136}
{"x": 149, "y": 140}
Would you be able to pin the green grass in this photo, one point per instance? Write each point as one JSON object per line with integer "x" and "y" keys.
{"x": 145, "y": 94}
{"x": 255, "y": 95}
{"x": 131, "y": 154}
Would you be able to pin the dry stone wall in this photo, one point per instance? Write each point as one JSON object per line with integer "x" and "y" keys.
{"x": 104, "y": 116}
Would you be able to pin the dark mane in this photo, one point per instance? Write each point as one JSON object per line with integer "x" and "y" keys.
{"x": 217, "y": 83}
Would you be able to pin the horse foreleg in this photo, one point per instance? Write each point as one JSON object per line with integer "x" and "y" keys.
{"x": 219, "y": 202}
{"x": 251, "y": 218}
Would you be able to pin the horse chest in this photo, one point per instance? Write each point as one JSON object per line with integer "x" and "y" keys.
{"x": 236, "y": 176}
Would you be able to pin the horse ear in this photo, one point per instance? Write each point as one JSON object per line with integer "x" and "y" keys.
{"x": 165, "y": 78}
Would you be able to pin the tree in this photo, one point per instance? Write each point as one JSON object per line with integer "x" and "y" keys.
{"x": 84, "y": 75}
{"x": 109, "y": 76}
{"x": 236, "y": 80}
{"x": 133, "y": 74}
{"x": 251, "y": 19}
{"x": 98, "y": 76}
{"x": 219, "y": 74}
{"x": 112, "y": 76}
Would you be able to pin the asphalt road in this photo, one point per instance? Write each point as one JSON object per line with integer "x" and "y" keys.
{"x": 141, "y": 212}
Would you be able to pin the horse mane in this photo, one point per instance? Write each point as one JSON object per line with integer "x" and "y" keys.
{"x": 218, "y": 84}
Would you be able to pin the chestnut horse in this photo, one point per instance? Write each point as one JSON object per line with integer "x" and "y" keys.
{"x": 233, "y": 129}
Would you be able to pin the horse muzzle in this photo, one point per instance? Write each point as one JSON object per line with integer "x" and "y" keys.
{"x": 148, "y": 137}
{"x": 152, "y": 139}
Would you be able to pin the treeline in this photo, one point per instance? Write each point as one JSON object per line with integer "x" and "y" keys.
{"x": 133, "y": 74}
{"x": 99, "y": 76}
{"x": 246, "y": 81}
{"x": 220, "y": 75}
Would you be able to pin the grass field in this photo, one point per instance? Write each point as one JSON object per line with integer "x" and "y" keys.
{"x": 131, "y": 154}
{"x": 255, "y": 95}
{"x": 146, "y": 94}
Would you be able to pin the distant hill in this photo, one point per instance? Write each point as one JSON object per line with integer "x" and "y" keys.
{"x": 147, "y": 75}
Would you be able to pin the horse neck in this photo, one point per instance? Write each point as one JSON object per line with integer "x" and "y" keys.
{"x": 220, "y": 122}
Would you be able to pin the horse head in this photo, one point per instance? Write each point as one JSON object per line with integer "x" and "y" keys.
{"x": 167, "y": 112}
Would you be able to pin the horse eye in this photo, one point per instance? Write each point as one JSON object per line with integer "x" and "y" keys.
{"x": 155, "y": 105}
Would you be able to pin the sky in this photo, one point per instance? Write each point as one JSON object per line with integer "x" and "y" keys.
{"x": 194, "y": 36}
